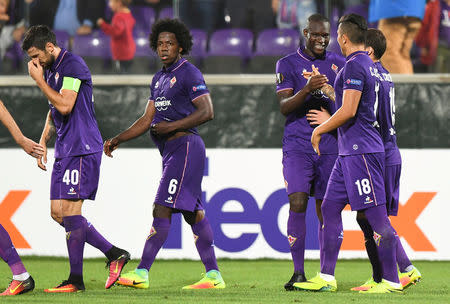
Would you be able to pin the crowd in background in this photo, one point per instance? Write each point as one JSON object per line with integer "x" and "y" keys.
{"x": 417, "y": 31}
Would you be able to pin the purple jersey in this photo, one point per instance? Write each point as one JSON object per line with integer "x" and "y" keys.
{"x": 297, "y": 130}
{"x": 173, "y": 91}
{"x": 444, "y": 27}
{"x": 76, "y": 133}
{"x": 386, "y": 114}
{"x": 358, "y": 135}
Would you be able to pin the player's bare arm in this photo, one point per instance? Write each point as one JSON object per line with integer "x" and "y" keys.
{"x": 47, "y": 133}
{"x": 289, "y": 102}
{"x": 63, "y": 101}
{"x": 138, "y": 128}
{"x": 203, "y": 113}
{"x": 350, "y": 102}
{"x": 327, "y": 89}
{"x": 29, "y": 146}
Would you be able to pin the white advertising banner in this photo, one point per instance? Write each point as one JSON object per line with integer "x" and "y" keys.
{"x": 244, "y": 198}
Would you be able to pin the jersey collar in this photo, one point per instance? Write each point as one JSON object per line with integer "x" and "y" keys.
{"x": 174, "y": 66}
{"x": 301, "y": 52}
{"x": 352, "y": 55}
{"x": 58, "y": 59}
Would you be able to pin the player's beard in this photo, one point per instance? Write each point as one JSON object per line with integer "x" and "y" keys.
{"x": 48, "y": 64}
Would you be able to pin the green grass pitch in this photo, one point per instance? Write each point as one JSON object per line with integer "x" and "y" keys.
{"x": 248, "y": 281}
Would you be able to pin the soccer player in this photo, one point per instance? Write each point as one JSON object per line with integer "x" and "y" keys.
{"x": 306, "y": 173}
{"x": 66, "y": 81}
{"x": 179, "y": 102}
{"x": 376, "y": 45}
{"x": 358, "y": 174}
{"x": 21, "y": 281}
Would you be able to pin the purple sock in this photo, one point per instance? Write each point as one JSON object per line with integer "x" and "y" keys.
{"x": 402, "y": 259}
{"x": 95, "y": 239}
{"x": 296, "y": 230}
{"x": 320, "y": 234}
{"x": 75, "y": 226}
{"x": 204, "y": 241}
{"x": 9, "y": 254}
{"x": 157, "y": 237}
{"x": 384, "y": 236}
{"x": 332, "y": 234}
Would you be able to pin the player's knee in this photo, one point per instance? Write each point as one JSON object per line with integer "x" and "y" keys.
{"x": 161, "y": 211}
{"x": 298, "y": 202}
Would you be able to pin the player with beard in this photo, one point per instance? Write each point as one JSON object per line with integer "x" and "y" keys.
{"x": 66, "y": 81}
{"x": 305, "y": 173}
{"x": 179, "y": 102}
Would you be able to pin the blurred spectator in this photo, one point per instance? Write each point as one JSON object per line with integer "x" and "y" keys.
{"x": 255, "y": 15}
{"x": 123, "y": 46}
{"x": 156, "y": 4}
{"x": 201, "y": 14}
{"x": 434, "y": 36}
{"x": 291, "y": 13}
{"x": 73, "y": 16}
{"x": 400, "y": 21}
{"x": 12, "y": 24}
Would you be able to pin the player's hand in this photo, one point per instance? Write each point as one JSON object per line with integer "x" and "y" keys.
{"x": 315, "y": 140}
{"x": 317, "y": 117}
{"x": 35, "y": 70}
{"x": 42, "y": 160}
{"x": 161, "y": 128}
{"x": 315, "y": 71}
{"x": 31, "y": 148}
{"x": 110, "y": 145}
{"x": 316, "y": 82}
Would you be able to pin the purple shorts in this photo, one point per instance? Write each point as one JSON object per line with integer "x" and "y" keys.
{"x": 180, "y": 187}
{"x": 392, "y": 185}
{"x": 308, "y": 173}
{"x": 359, "y": 180}
{"x": 76, "y": 177}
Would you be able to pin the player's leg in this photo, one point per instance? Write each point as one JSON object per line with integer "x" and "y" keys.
{"x": 333, "y": 203}
{"x": 298, "y": 172}
{"x": 408, "y": 273}
{"x": 21, "y": 281}
{"x": 204, "y": 241}
{"x": 138, "y": 278}
{"x": 372, "y": 253}
{"x": 319, "y": 203}
{"x": 75, "y": 226}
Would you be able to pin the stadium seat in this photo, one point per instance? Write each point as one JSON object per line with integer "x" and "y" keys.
{"x": 145, "y": 60}
{"x": 95, "y": 50}
{"x": 62, "y": 39}
{"x": 144, "y": 16}
{"x": 14, "y": 61}
{"x": 333, "y": 46}
{"x": 229, "y": 51}
{"x": 166, "y": 12}
{"x": 271, "y": 45}
{"x": 198, "y": 52}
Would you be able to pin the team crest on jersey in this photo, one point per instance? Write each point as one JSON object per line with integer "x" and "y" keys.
{"x": 291, "y": 240}
{"x": 334, "y": 68}
{"x": 368, "y": 200}
{"x": 72, "y": 191}
{"x": 377, "y": 238}
{"x": 280, "y": 78}
{"x": 195, "y": 238}
{"x": 56, "y": 77}
{"x": 152, "y": 233}
{"x": 173, "y": 81}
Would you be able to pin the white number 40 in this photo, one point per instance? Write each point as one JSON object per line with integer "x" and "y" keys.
{"x": 363, "y": 186}
{"x": 71, "y": 177}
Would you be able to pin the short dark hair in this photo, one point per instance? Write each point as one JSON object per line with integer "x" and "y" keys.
{"x": 318, "y": 18}
{"x": 175, "y": 26}
{"x": 355, "y": 27}
{"x": 376, "y": 40}
{"x": 37, "y": 36}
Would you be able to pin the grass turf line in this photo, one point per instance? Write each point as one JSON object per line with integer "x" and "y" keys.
{"x": 248, "y": 281}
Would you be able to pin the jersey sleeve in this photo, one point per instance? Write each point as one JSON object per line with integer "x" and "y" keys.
{"x": 195, "y": 85}
{"x": 152, "y": 88}
{"x": 283, "y": 76}
{"x": 73, "y": 73}
{"x": 354, "y": 76}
